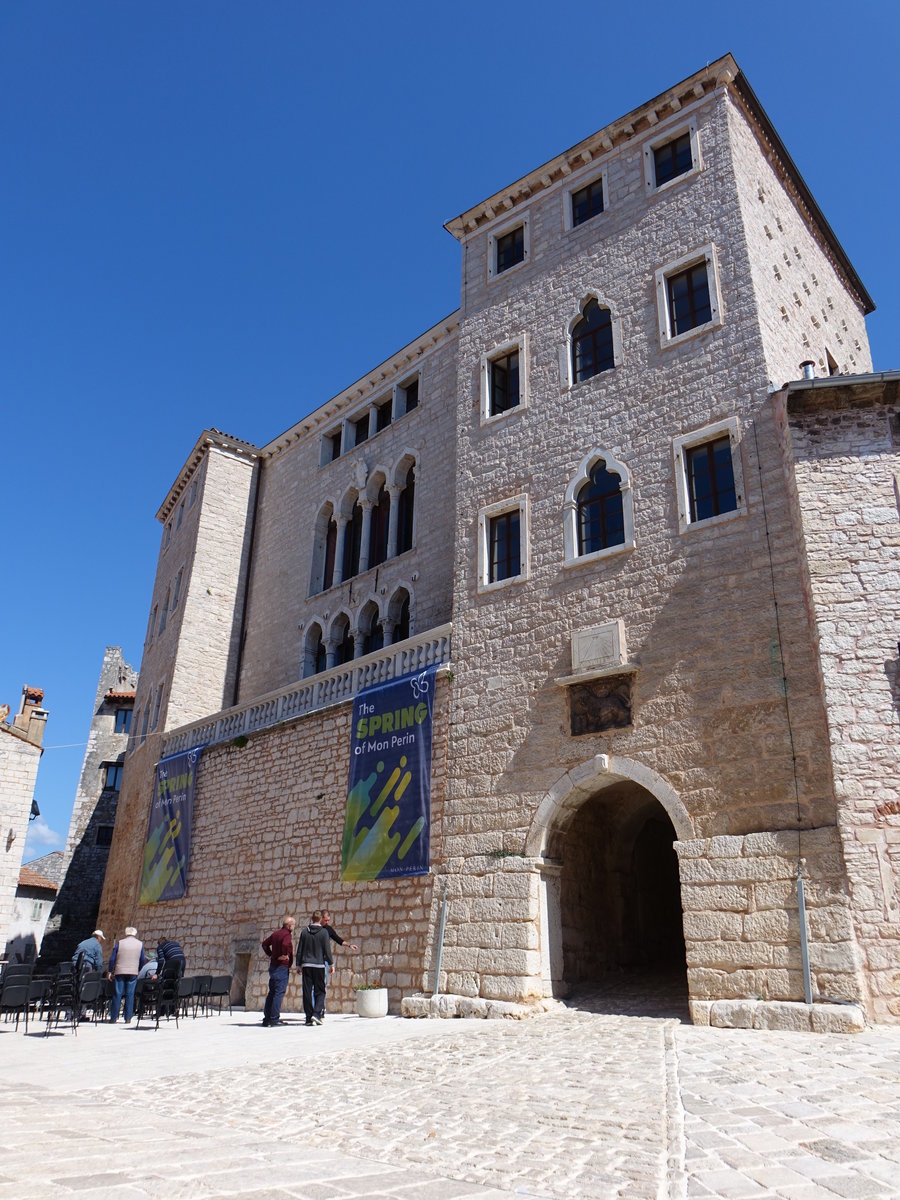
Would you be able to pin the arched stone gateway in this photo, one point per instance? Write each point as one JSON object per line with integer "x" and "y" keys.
{"x": 610, "y": 896}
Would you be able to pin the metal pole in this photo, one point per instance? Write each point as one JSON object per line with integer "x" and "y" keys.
{"x": 436, "y": 990}
{"x": 804, "y": 944}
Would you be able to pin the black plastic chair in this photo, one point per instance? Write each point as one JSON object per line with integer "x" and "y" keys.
{"x": 219, "y": 990}
{"x": 93, "y": 994}
{"x": 202, "y": 984}
{"x": 16, "y": 998}
{"x": 63, "y": 1003}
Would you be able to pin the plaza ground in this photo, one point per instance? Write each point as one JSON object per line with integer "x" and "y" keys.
{"x": 586, "y": 1101}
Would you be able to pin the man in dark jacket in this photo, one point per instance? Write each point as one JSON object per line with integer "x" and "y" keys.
{"x": 279, "y": 949}
{"x": 313, "y": 955}
{"x": 169, "y": 954}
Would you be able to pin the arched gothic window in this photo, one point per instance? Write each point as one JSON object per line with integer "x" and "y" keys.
{"x": 406, "y": 513}
{"x": 601, "y": 521}
{"x": 370, "y": 629}
{"x": 598, "y": 509}
{"x": 353, "y": 541}
{"x": 399, "y": 611}
{"x": 343, "y": 640}
{"x": 592, "y": 343}
{"x": 381, "y": 519}
{"x": 314, "y": 655}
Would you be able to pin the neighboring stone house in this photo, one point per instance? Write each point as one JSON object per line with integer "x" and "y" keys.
{"x": 585, "y": 492}
{"x": 94, "y": 811}
{"x": 38, "y": 884}
{"x": 20, "y": 756}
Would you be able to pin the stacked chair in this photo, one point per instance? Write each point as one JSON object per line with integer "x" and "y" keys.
{"x": 15, "y": 992}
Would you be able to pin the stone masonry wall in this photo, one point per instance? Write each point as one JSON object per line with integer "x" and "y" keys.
{"x": 295, "y": 488}
{"x": 75, "y": 911}
{"x": 846, "y": 465}
{"x": 19, "y": 762}
{"x": 709, "y": 710}
{"x": 268, "y": 822}
{"x": 741, "y": 918}
{"x": 803, "y": 302}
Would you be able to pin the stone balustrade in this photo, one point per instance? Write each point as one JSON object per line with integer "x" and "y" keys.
{"x": 316, "y": 692}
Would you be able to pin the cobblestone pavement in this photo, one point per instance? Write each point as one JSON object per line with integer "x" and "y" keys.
{"x": 582, "y": 1102}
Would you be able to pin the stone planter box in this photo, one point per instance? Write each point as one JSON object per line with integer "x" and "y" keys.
{"x": 372, "y": 1002}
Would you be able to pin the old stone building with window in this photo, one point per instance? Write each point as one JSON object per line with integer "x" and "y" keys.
{"x": 91, "y": 826}
{"x": 658, "y": 575}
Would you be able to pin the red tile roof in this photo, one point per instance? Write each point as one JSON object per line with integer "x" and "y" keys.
{"x": 111, "y": 695}
{"x": 31, "y": 879}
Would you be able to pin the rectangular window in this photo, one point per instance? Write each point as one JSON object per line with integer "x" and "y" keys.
{"x": 167, "y": 535}
{"x": 672, "y": 159}
{"x": 157, "y": 707}
{"x": 504, "y": 546}
{"x": 384, "y": 414}
{"x": 163, "y": 615}
{"x": 687, "y": 296}
{"x": 361, "y": 430}
{"x": 504, "y": 383}
{"x": 177, "y": 591}
{"x": 144, "y": 724}
{"x": 123, "y": 720}
{"x": 104, "y": 835}
{"x": 710, "y": 479}
{"x": 332, "y": 447}
{"x": 587, "y": 202}
{"x": 411, "y": 395}
{"x": 671, "y": 156}
{"x": 37, "y": 909}
{"x": 708, "y": 474}
{"x": 112, "y": 779}
{"x": 192, "y": 494}
{"x": 180, "y": 517}
{"x": 689, "y": 299}
{"x": 510, "y": 249}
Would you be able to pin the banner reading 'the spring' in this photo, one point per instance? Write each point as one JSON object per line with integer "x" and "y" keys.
{"x": 388, "y": 819}
{"x": 168, "y": 848}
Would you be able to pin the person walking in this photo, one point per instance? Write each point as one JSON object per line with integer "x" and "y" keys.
{"x": 125, "y": 962}
{"x": 314, "y": 956}
{"x": 279, "y": 949}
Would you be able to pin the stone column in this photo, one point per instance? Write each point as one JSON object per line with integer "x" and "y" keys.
{"x": 393, "y": 490}
{"x": 342, "y": 523}
{"x": 366, "y": 540}
{"x": 331, "y": 649}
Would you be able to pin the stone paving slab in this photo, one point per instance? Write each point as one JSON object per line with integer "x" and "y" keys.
{"x": 570, "y": 1104}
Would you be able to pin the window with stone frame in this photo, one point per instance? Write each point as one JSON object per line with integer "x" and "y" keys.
{"x": 688, "y": 296}
{"x": 503, "y": 543}
{"x": 406, "y": 504}
{"x": 671, "y": 156}
{"x": 104, "y": 835}
{"x": 601, "y": 520}
{"x": 503, "y": 382}
{"x": 588, "y": 201}
{"x": 510, "y": 249}
{"x": 380, "y": 525}
{"x": 593, "y": 348}
{"x": 709, "y": 476}
{"x": 353, "y": 541}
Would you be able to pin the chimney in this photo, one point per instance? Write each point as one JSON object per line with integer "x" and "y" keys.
{"x": 808, "y": 369}
{"x": 32, "y": 716}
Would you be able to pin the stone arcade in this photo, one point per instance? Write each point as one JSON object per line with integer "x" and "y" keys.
{"x": 660, "y": 580}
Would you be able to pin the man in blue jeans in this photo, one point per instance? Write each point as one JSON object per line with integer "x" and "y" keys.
{"x": 279, "y": 949}
{"x": 125, "y": 962}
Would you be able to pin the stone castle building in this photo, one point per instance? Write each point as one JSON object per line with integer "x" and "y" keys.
{"x": 661, "y": 582}
{"x": 21, "y": 747}
{"x": 74, "y": 915}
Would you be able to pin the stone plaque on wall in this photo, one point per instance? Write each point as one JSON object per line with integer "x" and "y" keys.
{"x": 599, "y": 647}
{"x": 600, "y": 704}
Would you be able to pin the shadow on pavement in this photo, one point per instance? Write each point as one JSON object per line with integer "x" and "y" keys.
{"x": 659, "y": 994}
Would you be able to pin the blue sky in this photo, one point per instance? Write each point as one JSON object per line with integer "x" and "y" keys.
{"x": 220, "y": 213}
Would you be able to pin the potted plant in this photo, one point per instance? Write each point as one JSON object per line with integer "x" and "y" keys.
{"x": 371, "y": 999}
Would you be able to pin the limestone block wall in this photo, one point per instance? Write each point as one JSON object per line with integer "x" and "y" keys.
{"x": 194, "y": 658}
{"x": 296, "y": 486}
{"x": 741, "y": 918}
{"x": 19, "y": 761}
{"x": 268, "y": 822}
{"x": 803, "y": 301}
{"x": 846, "y": 464}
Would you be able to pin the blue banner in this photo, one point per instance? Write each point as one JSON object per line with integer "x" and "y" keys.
{"x": 387, "y": 825}
{"x": 168, "y": 849}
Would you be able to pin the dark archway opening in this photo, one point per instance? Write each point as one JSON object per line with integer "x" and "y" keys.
{"x": 622, "y": 936}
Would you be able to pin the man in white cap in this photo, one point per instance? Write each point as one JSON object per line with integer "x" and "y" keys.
{"x": 125, "y": 962}
{"x": 91, "y": 951}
